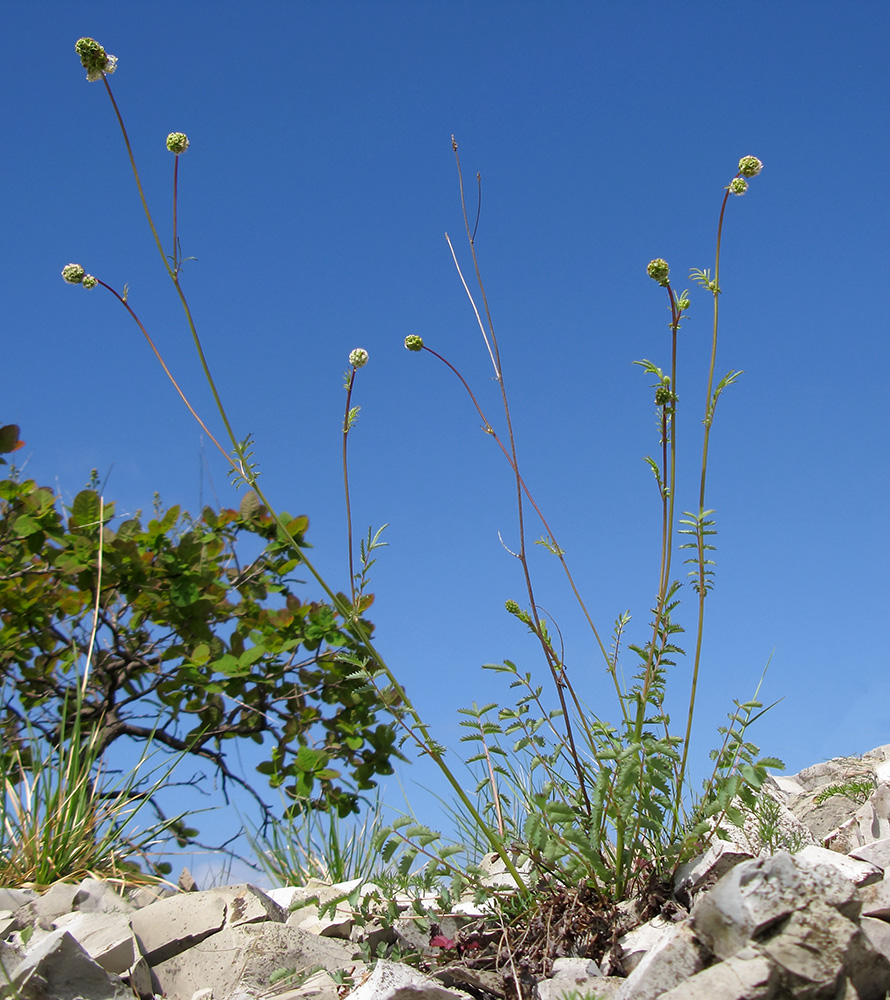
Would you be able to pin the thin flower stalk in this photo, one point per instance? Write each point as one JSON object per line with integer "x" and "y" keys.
{"x": 749, "y": 166}
{"x": 357, "y": 359}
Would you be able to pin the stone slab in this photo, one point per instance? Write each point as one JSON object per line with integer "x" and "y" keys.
{"x": 859, "y": 872}
{"x": 748, "y": 975}
{"x": 173, "y": 925}
{"x": 876, "y": 853}
{"x": 245, "y": 956}
{"x": 60, "y": 968}
{"x": 676, "y": 957}
{"x": 106, "y": 937}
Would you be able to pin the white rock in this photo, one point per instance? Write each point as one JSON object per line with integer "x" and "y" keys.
{"x": 758, "y": 893}
{"x": 172, "y": 925}
{"x": 391, "y": 977}
{"x": 860, "y": 873}
{"x": 719, "y": 858}
{"x": 58, "y": 966}
{"x": 676, "y": 957}
{"x": 106, "y": 937}
{"x": 641, "y": 940}
{"x": 876, "y": 853}
{"x": 747, "y": 975}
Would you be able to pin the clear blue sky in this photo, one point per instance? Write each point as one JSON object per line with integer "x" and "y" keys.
{"x": 315, "y": 196}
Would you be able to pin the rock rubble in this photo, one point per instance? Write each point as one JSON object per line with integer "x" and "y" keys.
{"x": 795, "y": 905}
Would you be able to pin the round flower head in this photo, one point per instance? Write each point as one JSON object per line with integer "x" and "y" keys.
{"x": 73, "y": 274}
{"x": 358, "y": 358}
{"x": 95, "y": 59}
{"x": 512, "y": 607}
{"x": 414, "y": 343}
{"x": 177, "y": 142}
{"x": 738, "y": 185}
{"x": 750, "y": 166}
{"x": 658, "y": 270}
{"x": 89, "y": 281}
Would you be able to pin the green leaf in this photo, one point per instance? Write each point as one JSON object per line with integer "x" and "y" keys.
{"x": 250, "y": 505}
{"x": 201, "y": 653}
{"x": 85, "y": 509}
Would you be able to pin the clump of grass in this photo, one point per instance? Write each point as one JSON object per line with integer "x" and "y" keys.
{"x": 312, "y": 844}
{"x": 64, "y": 817}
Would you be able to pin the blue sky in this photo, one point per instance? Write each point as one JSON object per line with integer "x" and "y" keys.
{"x": 315, "y": 196}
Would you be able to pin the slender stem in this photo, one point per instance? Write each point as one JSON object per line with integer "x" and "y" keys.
{"x": 493, "y": 782}
{"x": 95, "y": 628}
{"x": 167, "y": 371}
{"x": 123, "y": 128}
{"x": 669, "y": 489}
{"x": 174, "y": 275}
{"x": 486, "y": 426}
{"x": 349, "y": 386}
{"x": 702, "y": 589}
{"x": 176, "y": 262}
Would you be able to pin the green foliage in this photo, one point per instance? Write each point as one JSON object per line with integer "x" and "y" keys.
{"x": 194, "y": 646}
{"x": 311, "y": 844}
{"x": 857, "y": 789}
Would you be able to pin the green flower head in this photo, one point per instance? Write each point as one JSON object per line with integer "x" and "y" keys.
{"x": 750, "y": 166}
{"x": 89, "y": 281}
{"x": 177, "y": 142}
{"x": 663, "y": 395}
{"x": 73, "y": 274}
{"x": 659, "y": 271}
{"x": 358, "y": 358}
{"x": 96, "y": 61}
{"x": 738, "y": 185}
{"x": 512, "y": 607}
{"x": 414, "y": 343}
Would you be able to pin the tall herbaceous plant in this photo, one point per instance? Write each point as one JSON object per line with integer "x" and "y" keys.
{"x": 560, "y": 791}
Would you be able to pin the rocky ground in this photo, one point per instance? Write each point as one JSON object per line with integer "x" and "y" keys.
{"x": 795, "y": 905}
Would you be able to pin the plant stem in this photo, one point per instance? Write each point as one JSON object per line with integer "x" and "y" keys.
{"x": 167, "y": 371}
{"x": 174, "y": 273}
{"x": 702, "y": 588}
{"x": 176, "y": 261}
{"x": 346, "y": 423}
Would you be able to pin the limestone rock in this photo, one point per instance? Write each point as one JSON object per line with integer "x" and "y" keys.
{"x": 876, "y": 853}
{"x": 392, "y": 981}
{"x": 860, "y": 873}
{"x": 571, "y": 977}
{"x": 60, "y": 968}
{"x": 95, "y": 896}
{"x": 707, "y": 868}
{"x": 176, "y": 924}
{"x": 106, "y": 937}
{"x": 245, "y": 957}
{"x": 756, "y": 894}
{"x": 747, "y": 975}
{"x": 636, "y": 944}
{"x": 676, "y": 957}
